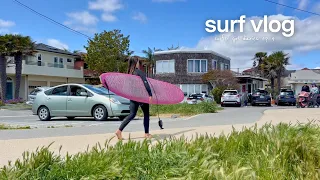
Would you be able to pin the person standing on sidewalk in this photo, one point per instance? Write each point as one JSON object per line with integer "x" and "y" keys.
{"x": 314, "y": 92}
{"x": 245, "y": 96}
{"x": 134, "y": 68}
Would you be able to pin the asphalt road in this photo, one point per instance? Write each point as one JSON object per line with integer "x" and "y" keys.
{"x": 228, "y": 116}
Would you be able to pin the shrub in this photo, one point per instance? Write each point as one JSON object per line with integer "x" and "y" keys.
{"x": 182, "y": 109}
{"x": 14, "y": 101}
{"x": 217, "y": 92}
{"x": 271, "y": 152}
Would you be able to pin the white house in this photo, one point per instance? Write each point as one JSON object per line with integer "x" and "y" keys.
{"x": 49, "y": 67}
{"x": 298, "y": 78}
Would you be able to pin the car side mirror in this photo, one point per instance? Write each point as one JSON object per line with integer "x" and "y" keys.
{"x": 83, "y": 94}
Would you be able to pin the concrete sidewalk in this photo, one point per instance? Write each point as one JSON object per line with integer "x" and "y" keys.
{"x": 13, "y": 149}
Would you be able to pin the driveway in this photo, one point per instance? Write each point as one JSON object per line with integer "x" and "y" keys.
{"x": 228, "y": 116}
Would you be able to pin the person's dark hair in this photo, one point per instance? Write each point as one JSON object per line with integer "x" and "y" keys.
{"x": 132, "y": 63}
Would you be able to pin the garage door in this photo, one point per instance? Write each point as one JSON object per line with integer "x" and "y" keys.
{"x": 34, "y": 84}
{"x": 56, "y": 83}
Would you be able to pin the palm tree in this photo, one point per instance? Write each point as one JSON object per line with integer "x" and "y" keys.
{"x": 149, "y": 54}
{"x": 22, "y": 46}
{"x": 279, "y": 61}
{"x": 271, "y": 71}
{"x": 5, "y": 50}
{"x": 259, "y": 62}
{"x": 173, "y": 48}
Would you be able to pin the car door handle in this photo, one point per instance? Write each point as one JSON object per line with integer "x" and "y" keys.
{"x": 69, "y": 100}
{"x": 48, "y": 98}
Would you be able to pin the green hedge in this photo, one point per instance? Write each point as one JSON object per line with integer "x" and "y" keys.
{"x": 280, "y": 152}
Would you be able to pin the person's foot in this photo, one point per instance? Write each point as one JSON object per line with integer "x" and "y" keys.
{"x": 147, "y": 135}
{"x": 119, "y": 134}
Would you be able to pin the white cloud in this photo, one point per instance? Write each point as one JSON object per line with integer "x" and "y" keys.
{"x": 82, "y": 21}
{"x": 168, "y": 1}
{"x": 108, "y": 17}
{"x": 83, "y": 18}
{"x": 108, "y": 7}
{"x": 241, "y": 52}
{"x": 57, "y": 43}
{"x": 139, "y": 16}
{"x": 317, "y": 68}
{"x": 6, "y": 24}
{"x": 303, "y": 4}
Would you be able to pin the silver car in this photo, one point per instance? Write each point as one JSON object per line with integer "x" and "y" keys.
{"x": 197, "y": 98}
{"x": 33, "y": 94}
{"x": 79, "y": 100}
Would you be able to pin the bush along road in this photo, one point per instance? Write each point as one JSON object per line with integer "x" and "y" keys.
{"x": 271, "y": 152}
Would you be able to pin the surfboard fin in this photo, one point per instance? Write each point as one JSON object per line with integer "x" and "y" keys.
{"x": 160, "y": 124}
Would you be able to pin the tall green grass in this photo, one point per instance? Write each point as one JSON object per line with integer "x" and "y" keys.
{"x": 271, "y": 152}
{"x": 183, "y": 109}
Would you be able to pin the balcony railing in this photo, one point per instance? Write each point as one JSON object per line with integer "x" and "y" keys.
{"x": 47, "y": 69}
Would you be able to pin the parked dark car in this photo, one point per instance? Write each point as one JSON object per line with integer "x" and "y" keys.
{"x": 286, "y": 96}
{"x": 261, "y": 96}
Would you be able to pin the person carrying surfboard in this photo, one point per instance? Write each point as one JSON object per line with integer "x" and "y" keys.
{"x": 134, "y": 69}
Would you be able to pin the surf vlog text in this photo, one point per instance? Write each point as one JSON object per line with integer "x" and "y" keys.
{"x": 273, "y": 25}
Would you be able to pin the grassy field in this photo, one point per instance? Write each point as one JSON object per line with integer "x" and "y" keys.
{"x": 272, "y": 152}
{"x": 183, "y": 109}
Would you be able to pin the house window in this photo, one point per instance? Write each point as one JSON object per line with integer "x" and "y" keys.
{"x": 69, "y": 60}
{"x": 226, "y": 66}
{"x": 221, "y": 66}
{"x": 197, "y": 65}
{"x": 165, "y": 66}
{"x": 214, "y": 64}
{"x": 55, "y": 61}
{"x": 39, "y": 59}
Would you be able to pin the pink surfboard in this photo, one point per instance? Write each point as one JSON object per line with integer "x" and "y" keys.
{"x": 132, "y": 87}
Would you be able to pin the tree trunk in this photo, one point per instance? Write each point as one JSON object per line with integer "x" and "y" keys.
{"x": 3, "y": 78}
{"x": 272, "y": 84}
{"x": 18, "y": 63}
{"x": 279, "y": 82}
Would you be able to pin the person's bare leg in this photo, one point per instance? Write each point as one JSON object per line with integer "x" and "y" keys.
{"x": 133, "y": 111}
{"x": 119, "y": 134}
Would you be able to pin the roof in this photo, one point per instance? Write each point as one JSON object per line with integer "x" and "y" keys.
{"x": 251, "y": 77}
{"x": 44, "y": 47}
{"x": 249, "y": 70}
{"x": 190, "y": 51}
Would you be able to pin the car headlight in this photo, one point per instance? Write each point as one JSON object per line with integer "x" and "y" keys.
{"x": 115, "y": 101}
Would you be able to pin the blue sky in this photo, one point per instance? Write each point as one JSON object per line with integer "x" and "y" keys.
{"x": 162, "y": 23}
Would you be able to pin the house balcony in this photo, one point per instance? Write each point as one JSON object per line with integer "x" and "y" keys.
{"x": 47, "y": 69}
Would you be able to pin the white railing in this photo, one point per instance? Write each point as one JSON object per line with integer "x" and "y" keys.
{"x": 47, "y": 69}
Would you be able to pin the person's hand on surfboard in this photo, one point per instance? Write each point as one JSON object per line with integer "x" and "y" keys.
{"x": 150, "y": 99}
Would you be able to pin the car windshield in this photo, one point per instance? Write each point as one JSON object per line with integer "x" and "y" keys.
{"x": 99, "y": 90}
{"x": 261, "y": 92}
{"x": 286, "y": 93}
{"x": 230, "y": 93}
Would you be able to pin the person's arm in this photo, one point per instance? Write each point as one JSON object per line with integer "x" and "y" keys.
{"x": 145, "y": 82}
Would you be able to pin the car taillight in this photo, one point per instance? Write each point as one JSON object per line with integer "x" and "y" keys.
{"x": 238, "y": 95}
{"x": 188, "y": 98}
{"x": 201, "y": 99}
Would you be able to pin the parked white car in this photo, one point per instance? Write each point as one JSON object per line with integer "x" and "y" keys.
{"x": 199, "y": 97}
{"x": 231, "y": 97}
{"x": 33, "y": 94}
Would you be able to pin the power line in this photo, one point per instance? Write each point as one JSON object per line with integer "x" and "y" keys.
{"x": 50, "y": 19}
{"x": 293, "y": 7}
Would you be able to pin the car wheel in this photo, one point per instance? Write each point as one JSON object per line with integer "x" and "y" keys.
{"x": 44, "y": 114}
{"x": 269, "y": 104}
{"x": 100, "y": 113}
{"x": 71, "y": 118}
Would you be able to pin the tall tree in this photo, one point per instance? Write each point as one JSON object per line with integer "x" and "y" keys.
{"x": 107, "y": 51}
{"x": 259, "y": 62}
{"x": 6, "y": 49}
{"x": 279, "y": 60}
{"x": 22, "y": 46}
{"x": 3, "y": 68}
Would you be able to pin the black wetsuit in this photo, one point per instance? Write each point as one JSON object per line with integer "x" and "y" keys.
{"x": 134, "y": 105}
